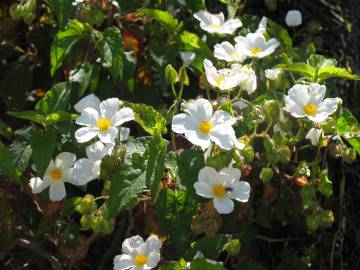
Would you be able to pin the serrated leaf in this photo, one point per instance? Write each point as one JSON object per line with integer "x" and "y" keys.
{"x": 43, "y": 144}
{"x": 331, "y": 72}
{"x": 111, "y": 52}
{"x": 149, "y": 119}
{"x": 320, "y": 61}
{"x": 6, "y": 164}
{"x": 65, "y": 40}
{"x": 29, "y": 115}
{"x": 20, "y": 151}
{"x": 56, "y": 99}
{"x": 348, "y": 127}
{"x": 126, "y": 184}
{"x": 300, "y": 68}
{"x": 163, "y": 17}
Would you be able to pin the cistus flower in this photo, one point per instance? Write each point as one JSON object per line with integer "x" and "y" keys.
{"x": 224, "y": 79}
{"x": 215, "y": 23}
{"x": 102, "y": 122}
{"x": 187, "y": 57}
{"x": 249, "y": 83}
{"x": 139, "y": 255}
{"x": 228, "y": 52}
{"x": 308, "y": 101}
{"x": 272, "y": 73}
{"x": 293, "y": 18}
{"x": 222, "y": 187}
{"x": 314, "y": 135}
{"x": 262, "y": 26}
{"x": 55, "y": 175}
{"x": 201, "y": 126}
{"x": 255, "y": 45}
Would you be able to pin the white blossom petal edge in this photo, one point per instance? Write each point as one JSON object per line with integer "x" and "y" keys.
{"x": 139, "y": 254}
{"x": 215, "y": 23}
{"x": 222, "y": 187}
{"x": 201, "y": 126}
{"x": 314, "y": 135}
{"x": 57, "y": 172}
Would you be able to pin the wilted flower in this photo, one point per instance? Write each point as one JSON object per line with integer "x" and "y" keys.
{"x": 103, "y": 121}
{"x": 293, "y": 18}
{"x": 314, "y": 135}
{"x": 308, "y": 100}
{"x": 255, "y": 45}
{"x": 139, "y": 255}
{"x": 201, "y": 126}
{"x": 222, "y": 187}
{"x": 228, "y": 52}
{"x": 272, "y": 73}
{"x": 224, "y": 79}
{"x": 55, "y": 175}
{"x": 215, "y": 23}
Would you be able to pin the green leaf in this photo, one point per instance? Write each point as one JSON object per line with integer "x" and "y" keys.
{"x": 172, "y": 266}
{"x": 319, "y": 61}
{"x": 20, "y": 151}
{"x": 174, "y": 210}
{"x": 29, "y": 115}
{"x": 301, "y": 68}
{"x": 126, "y": 184}
{"x": 163, "y": 17}
{"x": 43, "y": 144}
{"x": 60, "y": 116}
{"x": 63, "y": 10}
{"x": 325, "y": 186}
{"x": 281, "y": 34}
{"x": 348, "y": 127}
{"x": 65, "y": 40}
{"x": 5, "y": 130}
{"x": 202, "y": 264}
{"x": 111, "y": 52}
{"x": 192, "y": 42}
{"x": 149, "y": 119}
{"x": 82, "y": 75}
{"x": 331, "y": 72}
{"x": 56, "y": 99}
{"x": 6, "y": 164}
{"x": 211, "y": 246}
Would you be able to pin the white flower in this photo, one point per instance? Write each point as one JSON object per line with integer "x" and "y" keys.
{"x": 88, "y": 169}
{"x": 308, "y": 100}
{"x": 187, "y": 57}
{"x": 240, "y": 104}
{"x": 224, "y": 79}
{"x": 222, "y": 186}
{"x": 272, "y": 73}
{"x": 314, "y": 135}
{"x": 201, "y": 126}
{"x": 249, "y": 83}
{"x": 228, "y": 52}
{"x": 293, "y": 18}
{"x": 255, "y": 45}
{"x": 102, "y": 122}
{"x": 55, "y": 175}
{"x": 139, "y": 255}
{"x": 215, "y": 23}
{"x": 91, "y": 101}
{"x": 262, "y": 26}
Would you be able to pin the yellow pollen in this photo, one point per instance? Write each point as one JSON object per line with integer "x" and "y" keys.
{"x": 219, "y": 191}
{"x": 56, "y": 174}
{"x": 310, "y": 109}
{"x": 219, "y": 79}
{"x": 216, "y": 26}
{"x": 140, "y": 259}
{"x": 103, "y": 124}
{"x": 205, "y": 126}
{"x": 234, "y": 55}
{"x": 256, "y": 50}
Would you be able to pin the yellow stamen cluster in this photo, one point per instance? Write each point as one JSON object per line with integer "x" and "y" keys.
{"x": 205, "y": 126}
{"x": 256, "y": 50}
{"x": 56, "y": 174}
{"x": 219, "y": 191}
{"x": 310, "y": 109}
{"x": 103, "y": 124}
{"x": 140, "y": 259}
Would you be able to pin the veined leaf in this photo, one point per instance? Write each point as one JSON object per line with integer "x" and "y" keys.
{"x": 301, "y": 68}
{"x": 29, "y": 115}
{"x": 348, "y": 127}
{"x": 331, "y": 71}
{"x": 6, "y": 164}
{"x": 163, "y": 17}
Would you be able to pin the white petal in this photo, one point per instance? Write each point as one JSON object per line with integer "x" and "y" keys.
{"x": 123, "y": 261}
{"x": 328, "y": 107}
{"x": 97, "y": 150}
{"x": 88, "y": 117}
{"x": 50, "y": 167}
{"x": 221, "y": 117}
{"x": 203, "y": 16}
{"x": 223, "y": 136}
{"x": 85, "y": 134}
{"x": 200, "y": 109}
{"x": 198, "y": 138}
{"x": 90, "y": 101}
{"x": 187, "y": 57}
{"x": 153, "y": 259}
{"x": 124, "y": 133}
{"x": 65, "y": 160}
{"x": 153, "y": 243}
{"x": 299, "y": 94}
{"x": 314, "y": 135}
{"x": 293, "y": 108}
{"x": 57, "y": 191}
{"x": 130, "y": 244}
{"x": 37, "y": 185}
{"x": 83, "y": 171}
{"x": 230, "y": 175}
{"x": 203, "y": 189}
{"x": 223, "y": 206}
{"x": 124, "y": 115}
{"x": 182, "y": 122}
{"x": 109, "y": 136}
{"x": 109, "y": 107}
{"x": 317, "y": 93}
{"x": 241, "y": 191}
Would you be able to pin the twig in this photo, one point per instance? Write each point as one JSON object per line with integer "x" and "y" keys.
{"x": 277, "y": 240}
{"x": 55, "y": 263}
{"x": 81, "y": 249}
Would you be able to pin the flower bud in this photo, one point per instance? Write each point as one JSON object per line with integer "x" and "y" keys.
{"x": 266, "y": 174}
{"x": 171, "y": 76}
{"x": 121, "y": 152}
{"x": 87, "y": 205}
{"x": 183, "y": 77}
{"x": 248, "y": 153}
{"x": 349, "y": 156}
{"x": 86, "y": 221}
{"x": 232, "y": 247}
{"x": 272, "y": 110}
{"x": 107, "y": 226}
{"x": 327, "y": 218}
{"x": 293, "y": 18}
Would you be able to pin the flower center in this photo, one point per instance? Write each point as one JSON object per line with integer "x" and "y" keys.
{"x": 219, "y": 79}
{"x": 205, "y": 126}
{"x": 140, "y": 259}
{"x": 56, "y": 174}
{"x": 310, "y": 109}
{"x": 216, "y": 26}
{"x": 103, "y": 124}
{"x": 234, "y": 55}
{"x": 256, "y": 50}
{"x": 219, "y": 191}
